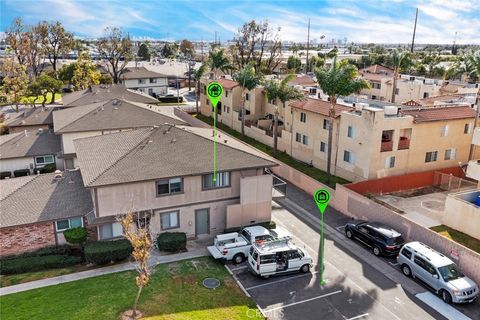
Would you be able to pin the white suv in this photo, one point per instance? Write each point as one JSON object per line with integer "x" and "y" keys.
{"x": 438, "y": 272}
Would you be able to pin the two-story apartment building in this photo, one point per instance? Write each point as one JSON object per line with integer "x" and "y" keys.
{"x": 144, "y": 80}
{"x": 165, "y": 175}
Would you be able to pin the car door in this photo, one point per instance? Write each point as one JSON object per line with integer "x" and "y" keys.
{"x": 422, "y": 269}
{"x": 294, "y": 260}
{"x": 268, "y": 264}
{"x": 363, "y": 234}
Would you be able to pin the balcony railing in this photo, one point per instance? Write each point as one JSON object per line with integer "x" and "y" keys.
{"x": 386, "y": 146}
{"x": 403, "y": 144}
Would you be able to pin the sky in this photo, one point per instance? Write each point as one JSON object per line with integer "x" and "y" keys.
{"x": 389, "y": 21}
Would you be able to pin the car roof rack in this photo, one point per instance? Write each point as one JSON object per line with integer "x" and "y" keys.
{"x": 274, "y": 243}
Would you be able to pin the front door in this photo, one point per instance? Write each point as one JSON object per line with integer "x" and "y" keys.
{"x": 202, "y": 221}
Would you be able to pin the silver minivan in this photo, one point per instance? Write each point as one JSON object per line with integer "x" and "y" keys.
{"x": 437, "y": 271}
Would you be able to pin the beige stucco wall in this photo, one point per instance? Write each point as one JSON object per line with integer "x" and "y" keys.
{"x": 462, "y": 215}
{"x": 159, "y": 88}
{"x": 17, "y": 164}
{"x": 67, "y": 139}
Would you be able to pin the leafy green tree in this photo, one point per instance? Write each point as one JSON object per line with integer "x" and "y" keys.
{"x": 169, "y": 51}
{"x": 280, "y": 90}
{"x": 315, "y": 62}
{"x": 218, "y": 61}
{"x": 399, "y": 60}
{"x": 105, "y": 79}
{"x": 58, "y": 41}
{"x": 187, "y": 48}
{"x": 45, "y": 84}
{"x": 15, "y": 81}
{"x": 65, "y": 73}
{"x": 248, "y": 79}
{"x": 85, "y": 73}
{"x": 341, "y": 79}
{"x": 143, "y": 52}
{"x": 198, "y": 77}
{"x": 294, "y": 64}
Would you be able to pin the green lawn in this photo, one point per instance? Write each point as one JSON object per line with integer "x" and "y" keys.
{"x": 175, "y": 293}
{"x": 457, "y": 236}
{"x": 311, "y": 171}
{"x": 30, "y": 99}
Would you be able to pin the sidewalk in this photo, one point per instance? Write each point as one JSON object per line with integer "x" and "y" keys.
{"x": 154, "y": 260}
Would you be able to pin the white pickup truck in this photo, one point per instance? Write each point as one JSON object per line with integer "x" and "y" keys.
{"x": 235, "y": 246}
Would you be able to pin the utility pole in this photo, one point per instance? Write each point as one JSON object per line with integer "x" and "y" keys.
{"x": 454, "y": 48}
{"x": 414, "y": 30}
{"x": 202, "y": 48}
{"x": 308, "y": 45}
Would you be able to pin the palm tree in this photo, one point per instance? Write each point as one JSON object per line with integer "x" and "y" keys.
{"x": 198, "y": 76}
{"x": 248, "y": 79}
{"x": 282, "y": 91}
{"x": 341, "y": 79}
{"x": 399, "y": 60}
{"x": 218, "y": 62}
{"x": 472, "y": 66}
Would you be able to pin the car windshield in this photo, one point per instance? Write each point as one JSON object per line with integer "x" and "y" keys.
{"x": 395, "y": 241}
{"x": 450, "y": 272}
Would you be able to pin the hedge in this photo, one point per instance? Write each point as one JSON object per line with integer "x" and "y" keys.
{"x": 51, "y": 167}
{"x": 5, "y": 174}
{"x": 170, "y": 99}
{"x": 63, "y": 250}
{"x": 102, "y": 252}
{"x": 268, "y": 225}
{"x": 21, "y": 172}
{"x": 172, "y": 241}
{"x": 76, "y": 235}
{"x": 30, "y": 264}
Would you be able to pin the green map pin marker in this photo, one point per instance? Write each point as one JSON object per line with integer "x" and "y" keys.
{"x": 214, "y": 92}
{"x": 322, "y": 198}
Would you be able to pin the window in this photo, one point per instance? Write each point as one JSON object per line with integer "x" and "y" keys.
{"x": 351, "y": 132}
{"x": 431, "y": 156}
{"x": 153, "y": 80}
{"x": 111, "y": 230}
{"x": 142, "y": 81}
{"x": 143, "y": 219}
{"x": 169, "y": 186}
{"x": 349, "y": 157}
{"x": 397, "y": 91}
{"x": 468, "y": 128}
{"x": 268, "y": 258}
{"x": 62, "y": 225}
{"x": 450, "y": 154}
{"x": 247, "y": 96}
{"x": 323, "y": 146}
{"x": 226, "y": 93}
{"x": 444, "y": 132}
{"x": 222, "y": 180}
{"x": 420, "y": 262}
{"x": 407, "y": 253}
{"x": 169, "y": 220}
{"x": 303, "y": 117}
{"x": 305, "y": 140}
{"x": 207, "y": 102}
{"x": 326, "y": 124}
{"x": 42, "y": 160}
{"x": 298, "y": 137}
{"x": 390, "y": 162}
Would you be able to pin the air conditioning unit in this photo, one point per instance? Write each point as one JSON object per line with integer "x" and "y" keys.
{"x": 429, "y": 81}
{"x": 391, "y": 110}
{"x": 360, "y": 105}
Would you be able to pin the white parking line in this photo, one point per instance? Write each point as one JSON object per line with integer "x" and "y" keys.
{"x": 393, "y": 264}
{"x": 278, "y": 281}
{"x": 358, "y": 317}
{"x": 438, "y": 305}
{"x": 341, "y": 228}
{"x": 238, "y": 268}
{"x": 302, "y": 301}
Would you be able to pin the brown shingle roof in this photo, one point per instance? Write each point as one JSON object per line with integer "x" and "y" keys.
{"x": 32, "y": 117}
{"x": 439, "y": 114}
{"x": 303, "y": 81}
{"x": 33, "y": 143}
{"x": 154, "y": 153}
{"x": 140, "y": 73}
{"x": 319, "y": 106}
{"x": 227, "y": 84}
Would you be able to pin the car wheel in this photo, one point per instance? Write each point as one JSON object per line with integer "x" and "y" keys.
{"x": 305, "y": 268}
{"x": 376, "y": 251}
{"x": 238, "y": 258}
{"x": 349, "y": 234}
{"x": 406, "y": 270}
{"x": 446, "y": 297}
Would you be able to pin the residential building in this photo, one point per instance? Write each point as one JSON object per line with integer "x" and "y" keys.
{"x": 165, "y": 175}
{"x": 32, "y": 119}
{"x": 37, "y": 209}
{"x": 103, "y": 118}
{"x": 144, "y": 80}
{"x": 29, "y": 150}
{"x": 391, "y": 141}
{"x": 473, "y": 168}
{"x": 99, "y": 93}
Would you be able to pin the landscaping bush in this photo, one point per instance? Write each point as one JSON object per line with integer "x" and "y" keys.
{"x": 5, "y": 174}
{"x": 102, "y": 252}
{"x": 76, "y": 235}
{"x": 51, "y": 167}
{"x": 170, "y": 99}
{"x": 172, "y": 241}
{"x": 30, "y": 264}
{"x": 21, "y": 172}
{"x": 63, "y": 250}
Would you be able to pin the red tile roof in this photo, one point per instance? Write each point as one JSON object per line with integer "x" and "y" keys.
{"x": 319, "y": 106}
{"x": 227, "y": 84}
{"x": 376, "y": 69}
{"x": 303, "y": 81}
{"x": 439, "y": 114}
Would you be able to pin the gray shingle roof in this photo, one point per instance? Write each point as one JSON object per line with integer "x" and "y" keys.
{"x": 33, "y": 143}
{"x": 104, "y": 93}
{"x": 108, "y": 115}
{"x": 43, "y": 198}
{"x": 147, "y": 154}
{"x": 33, "y": 116}
{"x": 140, "y": 73}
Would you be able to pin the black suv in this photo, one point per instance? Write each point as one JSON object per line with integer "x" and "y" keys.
{"x": 381, "y": 238}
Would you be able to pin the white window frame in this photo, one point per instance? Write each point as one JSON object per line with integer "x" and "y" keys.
{"x": 305, "y": 140}
{"x": 303, "y": 117}
{"x": 223, "y": 180}
{"x": 142, "y": 81}
{"x": 351, "y": 132}
{"x": 115, "y": 228}
{"x": 390, "y": 162}
{"x": 433, "y": 156}
{"x": 325, "y": 146}
{"x": 350, "y": 158}
{"x": 452, "y": 154}
{"x": 468, "y": 128}
{"x": 444, "y": 132}
{"x": 177, "y": 213}
{"x": 170, "y": 182}
{"x": 69, "y": 223}
{"x": 44, "y": 162}
{"x": 326, "y": 124}
{"x": 298, "y": 137}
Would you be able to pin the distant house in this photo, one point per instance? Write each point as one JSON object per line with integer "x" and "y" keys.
{"x": 29, "y": 150}
{"x": 144, "y": 80}
{"x": 100, "y": 118}
{"x": 32, "y": 119}
{"x": 101, "y": 93}
{"x": 165, "y": 175}
{"x": 38, "y": 208}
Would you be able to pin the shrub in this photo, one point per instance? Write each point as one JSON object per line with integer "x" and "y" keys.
{"x": 76, "y": 235}
{"x": 5, "y": 174}
{"x": 102, "y": 252}
{"x": 170, "y": 99}
{"x": 30, "y": 264}
{"x": 64, "y": 250}
{"x": 21, "y": 172}
{"x": 172, "y": 241}
{"x": 51, "y": 167}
